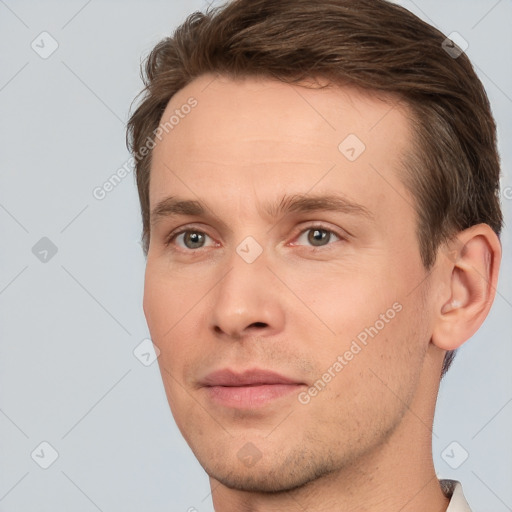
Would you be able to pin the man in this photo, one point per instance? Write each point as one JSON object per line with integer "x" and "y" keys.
{"x": 319, "y": 190}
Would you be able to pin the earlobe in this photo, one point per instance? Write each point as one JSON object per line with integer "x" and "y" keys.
{"x": 469, "y": 266}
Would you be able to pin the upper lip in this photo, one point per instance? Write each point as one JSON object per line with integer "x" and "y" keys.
{"x": 254, "y": 377}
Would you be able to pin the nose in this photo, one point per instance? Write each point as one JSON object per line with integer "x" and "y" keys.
{"x": 245, "y": 302}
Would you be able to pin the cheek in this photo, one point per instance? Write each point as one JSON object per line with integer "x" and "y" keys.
{"x": 167, "y": 298}
{"x": 158, "y": 305}
{"x": 348, "y": 303}
{"x": 374, "y": 382}
{"x": 377, "y": 330}
{"x": 166, "y": 306}
{"x": 169, "y": 307}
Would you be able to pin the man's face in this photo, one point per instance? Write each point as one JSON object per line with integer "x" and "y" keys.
{"x": 271, "y": 277}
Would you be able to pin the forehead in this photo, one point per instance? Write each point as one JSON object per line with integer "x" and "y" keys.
{"x": 262, "y": 134}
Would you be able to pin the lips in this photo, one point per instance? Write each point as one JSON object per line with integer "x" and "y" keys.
{"x": 248, "y": 378}
{"x": 248, "y": 389}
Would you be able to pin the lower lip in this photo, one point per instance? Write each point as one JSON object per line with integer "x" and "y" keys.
{"x": 245, "y": 397}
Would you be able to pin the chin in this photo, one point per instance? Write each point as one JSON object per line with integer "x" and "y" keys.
{"x": 277, "y": 476}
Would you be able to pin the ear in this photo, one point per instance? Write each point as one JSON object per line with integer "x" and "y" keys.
{"x": 469, "y": 266}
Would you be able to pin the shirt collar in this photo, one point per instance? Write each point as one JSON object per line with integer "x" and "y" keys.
{"x": 453, "y": 489}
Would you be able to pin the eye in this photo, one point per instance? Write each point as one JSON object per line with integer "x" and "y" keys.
{"x": 189, "y": 239}
{"x": 317, "y": 236}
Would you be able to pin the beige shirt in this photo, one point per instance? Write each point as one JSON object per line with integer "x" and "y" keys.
{"x": 453, "y": 489}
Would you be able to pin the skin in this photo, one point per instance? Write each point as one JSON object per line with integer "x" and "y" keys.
{"x": 364, "y": 441}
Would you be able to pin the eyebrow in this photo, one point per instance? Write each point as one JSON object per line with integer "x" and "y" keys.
{"x": 296, "y": 203}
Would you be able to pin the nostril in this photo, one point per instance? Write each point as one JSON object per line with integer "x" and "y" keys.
{"x": 258, "y": 324}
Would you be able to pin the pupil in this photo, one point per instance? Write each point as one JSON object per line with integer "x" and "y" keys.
{"x": 193, "y": 240}
{"x": 318, "y": 236}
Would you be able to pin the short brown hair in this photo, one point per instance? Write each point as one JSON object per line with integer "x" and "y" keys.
{"x": 453, "y": 171}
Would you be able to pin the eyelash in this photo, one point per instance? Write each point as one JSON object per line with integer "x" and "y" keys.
{"x": 187, "y": 229}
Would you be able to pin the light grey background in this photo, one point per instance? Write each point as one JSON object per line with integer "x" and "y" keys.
{"x": 69, "y": 326}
